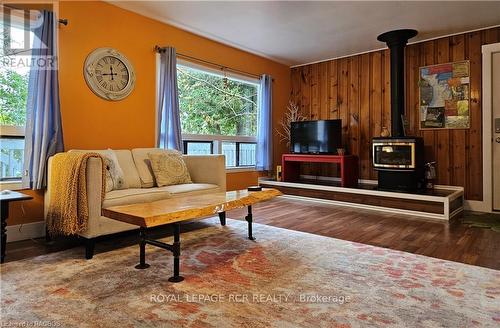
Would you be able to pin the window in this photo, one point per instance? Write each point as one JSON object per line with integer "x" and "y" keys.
{"x": 239, "y": 153}
{"x": 198, "y": 147}
{"x": 13, "y": 96}
{"x": 11, "y": 153}
{"x": 218, "y": 113}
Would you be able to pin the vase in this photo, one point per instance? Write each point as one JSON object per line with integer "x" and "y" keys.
{"x": 385, "y": 132}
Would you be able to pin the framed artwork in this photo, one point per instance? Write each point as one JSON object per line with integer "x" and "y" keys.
{"x": 444, "y": 100}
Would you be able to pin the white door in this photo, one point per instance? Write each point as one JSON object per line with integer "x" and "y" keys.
{"x": 496, "y": 129}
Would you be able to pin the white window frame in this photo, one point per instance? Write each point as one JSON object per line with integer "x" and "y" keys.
{"x": 217, "y": 140}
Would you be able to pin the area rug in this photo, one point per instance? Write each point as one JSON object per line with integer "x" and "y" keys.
{"x": 482, "y": 220}
{"x": 283, "y": 279}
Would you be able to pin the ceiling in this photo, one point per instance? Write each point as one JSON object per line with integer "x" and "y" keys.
{"x": 301, "y": 32}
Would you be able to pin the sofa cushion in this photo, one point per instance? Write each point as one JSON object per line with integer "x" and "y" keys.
{"x": 124, "y": 156}
{"x": 128, "y": 167}
{"x": 143, "y": 164}
{"x": 190, "y": 189}
{"x": 169, "y": 169}
{"x": 134, "y": 196}
{"x": 145, "y": 195}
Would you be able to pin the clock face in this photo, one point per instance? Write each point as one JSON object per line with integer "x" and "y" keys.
{"x": 109, "y": 74}
{"x": 112, "y": 74}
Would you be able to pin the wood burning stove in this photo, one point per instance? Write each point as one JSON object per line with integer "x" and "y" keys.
{"x": 398, "y": 159}
{"x": 399, "y": 162}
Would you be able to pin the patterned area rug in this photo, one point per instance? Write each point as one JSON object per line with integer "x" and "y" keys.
{"x": 283, "y": 279}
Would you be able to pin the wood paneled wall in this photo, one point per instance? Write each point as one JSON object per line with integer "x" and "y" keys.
{"x": 357, "y": 90}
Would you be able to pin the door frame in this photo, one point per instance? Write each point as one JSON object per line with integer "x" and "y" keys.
{"x": 487, "y": 204}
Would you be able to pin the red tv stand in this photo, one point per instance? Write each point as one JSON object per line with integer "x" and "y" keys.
{"x": 348, "y": 166}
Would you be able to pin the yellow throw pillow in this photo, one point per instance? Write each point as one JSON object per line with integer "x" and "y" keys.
{"x": 169, "y": 168}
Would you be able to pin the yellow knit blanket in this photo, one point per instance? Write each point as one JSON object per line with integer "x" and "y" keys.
{"x": 68, "y": 211}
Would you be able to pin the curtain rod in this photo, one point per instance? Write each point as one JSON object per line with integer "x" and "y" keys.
{"x": 222, "y": 67}
{"x": 11, "y": 6}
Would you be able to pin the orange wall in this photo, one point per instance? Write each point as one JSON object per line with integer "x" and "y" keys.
{"x": 90, "y": 122}
{"x": 241, "y": 180}
{"x": 26, "y": 211}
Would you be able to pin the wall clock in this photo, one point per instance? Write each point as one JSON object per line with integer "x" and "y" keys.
{"x": 109, "y": 74}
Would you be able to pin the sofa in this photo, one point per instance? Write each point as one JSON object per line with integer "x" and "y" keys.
{"x": 208, "y": 174}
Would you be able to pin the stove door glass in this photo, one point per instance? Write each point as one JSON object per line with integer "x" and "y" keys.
{"x": 394, "y": 155}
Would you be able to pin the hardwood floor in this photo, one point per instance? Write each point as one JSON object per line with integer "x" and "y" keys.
{"x": 450, "y": 241}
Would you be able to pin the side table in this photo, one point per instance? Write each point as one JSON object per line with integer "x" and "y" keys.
{"x": 6, "y": 197}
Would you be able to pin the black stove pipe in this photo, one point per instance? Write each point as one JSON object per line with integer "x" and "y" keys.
{"x": 396, "y": 41}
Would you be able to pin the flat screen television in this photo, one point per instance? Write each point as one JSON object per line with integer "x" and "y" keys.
{"x": 316, "y": 137}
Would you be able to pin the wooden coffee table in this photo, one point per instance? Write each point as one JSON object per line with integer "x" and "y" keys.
{"x": 175, "y": 210}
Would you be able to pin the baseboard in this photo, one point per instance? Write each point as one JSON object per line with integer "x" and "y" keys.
{"x": 25, "y": 231}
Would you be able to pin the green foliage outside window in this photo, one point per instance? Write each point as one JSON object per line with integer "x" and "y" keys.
{"x": 13, "y": 95}
{"x": 211, "y": 104}
{"x": 13, "y": 98}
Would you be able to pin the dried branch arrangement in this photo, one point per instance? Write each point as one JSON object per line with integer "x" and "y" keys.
{"x": 292, "y": 114}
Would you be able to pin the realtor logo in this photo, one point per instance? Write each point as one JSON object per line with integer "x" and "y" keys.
{"x": 21, "y": 43}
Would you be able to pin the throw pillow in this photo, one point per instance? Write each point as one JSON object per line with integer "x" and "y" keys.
{"x": 114, "y": 174}
{"x": 169, "y": 168}
{"x": 109, "y": 181}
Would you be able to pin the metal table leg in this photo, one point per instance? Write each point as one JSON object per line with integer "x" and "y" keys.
{"x": 3, "y": 216}
{"x": 142, "y": 250}
{"x": 249, "y": 220}
{"x": 176, "y": 250}
{"x": 222, "y": 218}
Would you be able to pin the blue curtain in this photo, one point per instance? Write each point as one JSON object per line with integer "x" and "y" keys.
{"x": 168, "y": 120}
{"x": 43, "y": 135}
{"x": 264, "y": 129}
